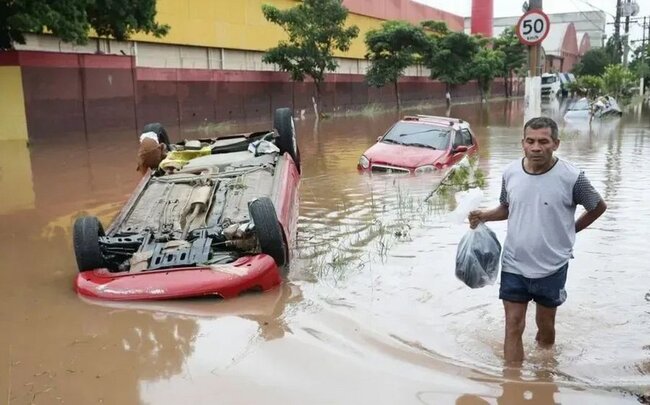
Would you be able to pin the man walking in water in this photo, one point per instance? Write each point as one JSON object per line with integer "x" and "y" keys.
{"x": 539, "y": 195}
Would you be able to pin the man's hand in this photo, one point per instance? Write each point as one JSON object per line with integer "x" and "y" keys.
{"x": 475, "y": 217}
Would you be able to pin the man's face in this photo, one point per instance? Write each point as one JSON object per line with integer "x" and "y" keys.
{"x": 539, "y": 146}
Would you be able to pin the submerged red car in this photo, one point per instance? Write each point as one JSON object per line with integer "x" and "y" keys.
{"x": 216, "y": 218}
{"x": 419, "y": 144}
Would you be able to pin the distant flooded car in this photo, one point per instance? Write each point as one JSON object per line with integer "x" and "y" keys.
{"x": 602, "y": 107}
{"x": 419, "y": 144}
{"x": 216, "y": 218}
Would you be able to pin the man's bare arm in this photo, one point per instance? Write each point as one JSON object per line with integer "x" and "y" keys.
{"x": 499, "y": 213}
{"x": 589, "y": 217}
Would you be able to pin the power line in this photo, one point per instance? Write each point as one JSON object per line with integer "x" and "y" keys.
{"x": 596, "y": 8}
{"x": 587, "y": 18}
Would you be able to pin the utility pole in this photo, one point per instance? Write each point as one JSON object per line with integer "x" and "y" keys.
{"x": 643, "y": 59}
{"x": 626, "y": 46}
{"x": 534, "y": 51}
{"x": 617, "y": 30}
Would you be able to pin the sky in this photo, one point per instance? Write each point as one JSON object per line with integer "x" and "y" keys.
{"x": 508, "y": 8}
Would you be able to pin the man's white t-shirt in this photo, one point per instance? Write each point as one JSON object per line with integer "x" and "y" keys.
{"x": 541, "y": 219}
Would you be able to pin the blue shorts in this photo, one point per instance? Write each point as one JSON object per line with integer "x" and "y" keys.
{"x": 547, "y": 291}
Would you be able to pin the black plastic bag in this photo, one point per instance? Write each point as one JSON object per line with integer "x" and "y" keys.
{"x": 477, "y": 257}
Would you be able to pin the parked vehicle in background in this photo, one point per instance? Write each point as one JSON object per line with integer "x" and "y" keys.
{"x": 585, "y": 109}
{"x": 419, "y": 144}
{"x": 216, "y": 218}
{"x": 565, "y": 83}
{"x": 551, "y": 85}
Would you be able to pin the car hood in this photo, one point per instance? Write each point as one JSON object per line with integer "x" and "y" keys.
{"x": 402, "y": 156}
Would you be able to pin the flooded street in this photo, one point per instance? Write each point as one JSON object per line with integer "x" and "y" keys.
{"x": 372, "y": 313}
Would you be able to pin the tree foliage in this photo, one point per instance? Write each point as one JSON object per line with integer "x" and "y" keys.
{"x": 487, "y": 65}
{"x": 590, "y": 86}
{"x": 120, "y": 18}
{"x": 618, "y": 80}
{"x": 391, "y": 49}
{"x": 71, "y": 20}
{"x": 594, "y": 61}
{"x": 514, "y": 55}
{"x": 316, "y": 28}
{"x": 641, "y": 63}
{"x": 449, "y": 55}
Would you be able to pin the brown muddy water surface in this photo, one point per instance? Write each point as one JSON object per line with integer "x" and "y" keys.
{"x": 372, "y": 312}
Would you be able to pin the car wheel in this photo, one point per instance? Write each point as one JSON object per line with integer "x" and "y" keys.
{"x": 86, "y": 233}
{"x": 287, "y": 142}
{"x": 267, "y": 229}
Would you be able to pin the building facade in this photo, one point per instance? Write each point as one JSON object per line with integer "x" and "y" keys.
{"x": 207, "y": 69}
{"x": 569, "y": 37}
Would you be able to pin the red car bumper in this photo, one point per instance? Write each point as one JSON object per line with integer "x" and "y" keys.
{"x": 250, "y": 273}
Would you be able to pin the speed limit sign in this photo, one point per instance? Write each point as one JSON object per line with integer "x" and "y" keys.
{"x": 533, "y": 27}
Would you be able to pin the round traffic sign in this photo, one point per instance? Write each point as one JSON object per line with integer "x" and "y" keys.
{"x": 533, "y": 27}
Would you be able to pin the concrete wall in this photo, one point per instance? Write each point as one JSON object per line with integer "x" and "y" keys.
{"x": 81, "y": 94}
{"x": 12, "y": 109}
{"x": 75, "y": 92}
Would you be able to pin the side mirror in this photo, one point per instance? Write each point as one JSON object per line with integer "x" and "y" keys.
{"x": 379, "y": 138}
{"x": 460, "y": 149}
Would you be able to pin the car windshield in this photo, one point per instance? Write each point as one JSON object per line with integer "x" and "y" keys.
{"x": 580, "y": 105}
{"x": 548, "y": 79}
{"x": 416, "y": 134}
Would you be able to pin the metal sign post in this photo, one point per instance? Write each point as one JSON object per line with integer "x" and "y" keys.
{"x": 532, "y": 28}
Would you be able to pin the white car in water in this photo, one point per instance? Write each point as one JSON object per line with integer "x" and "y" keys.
{"x": 602, "y": 107}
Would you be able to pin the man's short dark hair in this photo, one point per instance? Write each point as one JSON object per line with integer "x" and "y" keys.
{"x": 543, "y": 122}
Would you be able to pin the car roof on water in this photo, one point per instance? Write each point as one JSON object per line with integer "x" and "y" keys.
{"x": 448, "y": 122}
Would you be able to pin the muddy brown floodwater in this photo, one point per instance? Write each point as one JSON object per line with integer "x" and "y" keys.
{"x": 372, "y": 312}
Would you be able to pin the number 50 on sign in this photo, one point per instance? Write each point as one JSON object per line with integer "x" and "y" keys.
{"x": 533, "y": 27}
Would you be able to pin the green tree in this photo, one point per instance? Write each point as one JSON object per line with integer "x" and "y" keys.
{"x": 487, "y": 64}
{"x": 449, "y": 56}
{"x": 515, "y": 55}
{"x": 391, "y": 49}
{"x": 316, "y": 28}
{"x": 594, "y": 61}
{"x": 71, "y": 20}
{"x": 640, "y": 64}
{"x": 590, "y": 86}
{"x": 436, "y": 29}
{"x": 618, "y": 80}
{"x": 120, "y": 18}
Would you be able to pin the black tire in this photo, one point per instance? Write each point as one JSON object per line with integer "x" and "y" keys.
{"x": 268, "y": 230}
{"x": 86, "y": 233}
{"x": 287, "y": 142}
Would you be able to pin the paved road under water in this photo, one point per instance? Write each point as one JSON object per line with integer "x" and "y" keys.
{"x": 373, "y": 312}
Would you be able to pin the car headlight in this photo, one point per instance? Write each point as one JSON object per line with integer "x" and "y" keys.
{"x": 425, "y": 169}
{"x": 364, "y": 162}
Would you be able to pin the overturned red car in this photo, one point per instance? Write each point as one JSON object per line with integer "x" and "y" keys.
{"x": 217, "y": 217}
{"x": 419, "y": 144}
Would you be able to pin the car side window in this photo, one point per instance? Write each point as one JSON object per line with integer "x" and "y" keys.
{"x": 458, "y": 139}
{"x": 467, "y": 138}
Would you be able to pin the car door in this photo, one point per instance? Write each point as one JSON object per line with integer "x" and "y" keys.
{"x": 469, "y": 140}
{"x": 462, "y": 137}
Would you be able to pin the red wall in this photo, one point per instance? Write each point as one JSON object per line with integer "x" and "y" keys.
{"x": 72, "y": 93}
{"x": 569, "y": 48}
{"x": 585, "y": 44}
